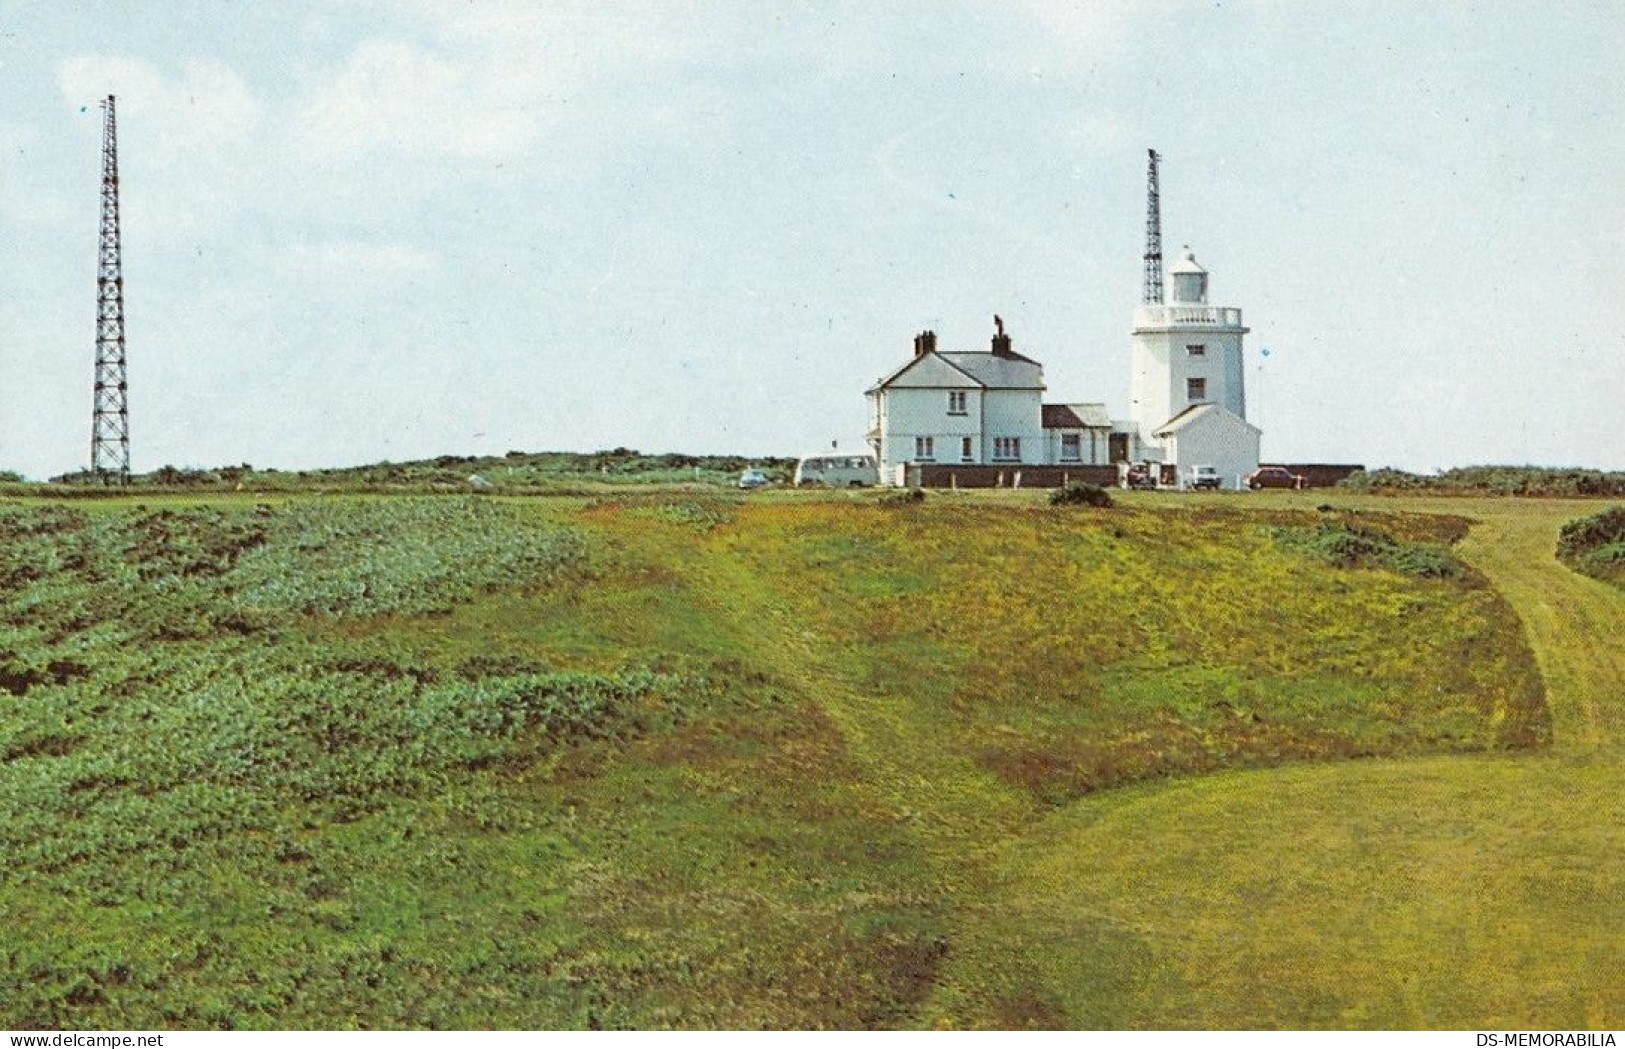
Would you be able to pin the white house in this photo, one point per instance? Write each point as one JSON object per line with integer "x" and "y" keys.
{"x": 978, "y": 409}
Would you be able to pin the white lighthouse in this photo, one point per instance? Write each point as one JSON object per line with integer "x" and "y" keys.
{"x": 1186, "y": 352}
{"x": 1187, "y": 397}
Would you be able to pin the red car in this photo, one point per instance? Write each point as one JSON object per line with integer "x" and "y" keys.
{"x": 1273, "y": 477}
{"x": 1140, "y": 476}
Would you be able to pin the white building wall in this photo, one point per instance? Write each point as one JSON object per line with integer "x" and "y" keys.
{"x": 1218, "y": 439}
{"x": 910, "y": 412}
{"x": 1148, "y": 383}
{"x": 1162, "y": 363}
{"x": 1014, "y": 413}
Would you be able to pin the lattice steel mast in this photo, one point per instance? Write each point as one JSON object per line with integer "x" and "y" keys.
{"x": 110, "y": 421}
{"x": 1153, "y": 235}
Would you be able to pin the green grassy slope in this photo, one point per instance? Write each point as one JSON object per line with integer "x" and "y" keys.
{"x": 1461, "y": 892}
{"x": 683, "y": 761}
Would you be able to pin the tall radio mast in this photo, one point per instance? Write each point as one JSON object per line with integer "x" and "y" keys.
{"x": 110, "y": 420}
{"x": 1153, "y": 235}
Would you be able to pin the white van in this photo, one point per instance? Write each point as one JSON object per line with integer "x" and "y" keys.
{"x": 837, "y": 470}
{"x": 1201, "y": 477}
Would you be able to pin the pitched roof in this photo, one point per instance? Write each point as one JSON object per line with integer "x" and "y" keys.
{"x": 996, "y": 372}
{"x": 1195, "y": 412}
{"x": 1076, "y": 417}
{"x": 938, "y": 371}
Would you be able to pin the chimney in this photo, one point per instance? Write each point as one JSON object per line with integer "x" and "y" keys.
{"x": 924, "y": 343}
{"x": 1001, "y": 341}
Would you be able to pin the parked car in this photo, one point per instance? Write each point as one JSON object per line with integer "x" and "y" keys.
{"x": 1273, "y": 477}
{"x": 1139, "y": 476}
{"x": 1203, "y": 477}
{"x": 838, "y": 471}
{"x": 752, "y": 479}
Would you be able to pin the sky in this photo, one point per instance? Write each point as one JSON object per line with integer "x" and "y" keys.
{"x": 358, "y": 231}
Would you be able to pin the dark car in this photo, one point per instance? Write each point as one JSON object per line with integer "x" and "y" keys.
{"x": 1139, "y": 476}
{"x": 1273, "y": 477}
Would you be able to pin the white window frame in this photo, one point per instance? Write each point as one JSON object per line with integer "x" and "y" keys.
{"x": 925, "y": 450}
{"x": 1196, "y": 349}
{"x": 1196, "y": 388}
{"x": 1076, "y": 454}
{"x": 967, "y": 450}
{"x": 958, "y": 402}
{"x": 1007, "y": 449}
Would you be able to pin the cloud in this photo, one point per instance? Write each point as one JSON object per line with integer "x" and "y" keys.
{"x": 398, "y": 97}
{"x": 184, "y": 137}
{"x": 205, "y": 108}
{"x": 482, "y": 81}
{"x": 353, "y": 262}
{"x": 1088, "y": 26}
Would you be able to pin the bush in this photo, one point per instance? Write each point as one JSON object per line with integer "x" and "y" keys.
{"x": 1595, "y": 545}
{"x": 905, "y": 497}
{"x": 1601, "y": 529}
{"x": 1351, "y": 546}
{"x": 1494, "y": 480}
{"x": 1081, "y": 493}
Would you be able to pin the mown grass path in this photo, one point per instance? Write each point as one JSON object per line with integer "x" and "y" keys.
{"x": 1576, "y": 624}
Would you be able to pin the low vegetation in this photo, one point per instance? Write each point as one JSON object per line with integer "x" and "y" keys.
{"x": 1595, "y": 545}
{"x": 1081, "y": 493}
{"x": 519, "y": 472}
{"x": 1360, "y": 546}
{"x": 681, "y": 759}
{"x": 1493, "y": 480}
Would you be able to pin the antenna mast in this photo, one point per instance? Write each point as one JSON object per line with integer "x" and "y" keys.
{"x": 1152, "y": 295}
{"x": 110, "y": 421}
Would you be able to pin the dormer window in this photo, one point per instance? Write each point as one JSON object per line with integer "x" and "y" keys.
{"x": 956, "y": 402}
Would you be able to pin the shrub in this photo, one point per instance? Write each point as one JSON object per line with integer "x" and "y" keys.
{"x": 1494, "y": 480}
{"x": 1353, "y": 546}
{"x": 1590, "y": 533}
{"x": 1080, "y": 493}
{"x": 904, "y": 497}
{"x": 1595, "y": 545}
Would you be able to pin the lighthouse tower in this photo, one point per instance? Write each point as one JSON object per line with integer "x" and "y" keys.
{"x": 1186, "y": 352}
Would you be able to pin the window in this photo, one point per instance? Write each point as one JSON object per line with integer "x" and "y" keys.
{"x": 956, "y": 402}
{"x": 923, "y": 451}
{"x": 1196, "y": 351}
{"x": 1007, "y": 449}
{"x": 1071, "y": 447}
{"x": 1196, "y": 389}
{"x": 967, "y": 451}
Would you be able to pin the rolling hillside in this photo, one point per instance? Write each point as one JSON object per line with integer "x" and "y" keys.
{"x": 676, "y": 760}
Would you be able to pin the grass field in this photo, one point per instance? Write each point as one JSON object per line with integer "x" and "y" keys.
{"x": 688, "y": 760}
{"x": 1435, "y": 892}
